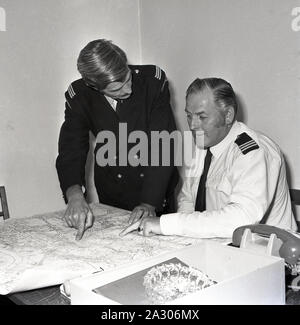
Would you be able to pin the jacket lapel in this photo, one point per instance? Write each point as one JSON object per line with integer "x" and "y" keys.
{"x": 106, "y": 116}
{"x": 131, "y": 109}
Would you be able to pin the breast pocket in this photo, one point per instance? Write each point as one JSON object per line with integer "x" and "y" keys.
{"x": 220, "y": 185}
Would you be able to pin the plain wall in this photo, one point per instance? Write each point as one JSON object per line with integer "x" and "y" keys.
{"x": 254, "y": 44}
{"x": 38, "y": 53}
{"x": 250, "y": 43}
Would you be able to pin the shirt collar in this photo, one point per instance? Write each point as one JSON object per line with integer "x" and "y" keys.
{"x": 219, "y": 148}
{"x": 111, "y": 101}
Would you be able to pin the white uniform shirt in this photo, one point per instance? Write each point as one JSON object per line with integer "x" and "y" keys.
{"x": 241, "y": 189}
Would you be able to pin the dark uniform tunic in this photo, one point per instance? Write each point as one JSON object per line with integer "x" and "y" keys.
{"x": 147, "y": 109}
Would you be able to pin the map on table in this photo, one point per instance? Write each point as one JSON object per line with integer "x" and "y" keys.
{"x": 41, "y": 251}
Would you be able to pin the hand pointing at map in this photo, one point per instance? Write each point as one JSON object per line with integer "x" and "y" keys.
{"x": 147, "y": 226}
{"x": 78, "y": 213}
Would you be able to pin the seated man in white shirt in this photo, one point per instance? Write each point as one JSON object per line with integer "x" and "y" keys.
{"x": 246, "y": 179}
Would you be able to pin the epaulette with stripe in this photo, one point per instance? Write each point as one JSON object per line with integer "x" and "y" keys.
{"x": 160, "y": 76}
{"x": 246, "y": 143}
{"x": 150, "y": 70}
{"x": 157, "y": 72}
{"x": 71, "y": 91}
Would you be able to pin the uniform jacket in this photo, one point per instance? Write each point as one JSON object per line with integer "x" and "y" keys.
{"x": 87, "y": 110}
{"x": 246, "y": 184}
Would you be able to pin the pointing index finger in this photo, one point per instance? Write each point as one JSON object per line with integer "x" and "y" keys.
{"x": 81, "y": 229}
{"x": 135, "y": 215}
{"x": 130, "y": 228}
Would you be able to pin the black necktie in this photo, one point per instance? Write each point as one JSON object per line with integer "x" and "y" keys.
{"x": 118, "y": 108}
{"x": 201, "y": 194}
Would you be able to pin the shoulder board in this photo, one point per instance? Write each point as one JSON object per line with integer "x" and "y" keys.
{"x": 148, "y": 70}
{"x": 158, "y": 72}
{"x": 246, "y": 143}
{"x": 71, "y": 91}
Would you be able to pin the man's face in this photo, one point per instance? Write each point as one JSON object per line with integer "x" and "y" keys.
{"x": 119, "y": 90}
{"x": 206, "y": 120}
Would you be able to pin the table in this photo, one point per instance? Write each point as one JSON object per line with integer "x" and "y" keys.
{"x": 41, "y": 252}
{"x": 53, "y": 296}
{"x": 112, "y": 251}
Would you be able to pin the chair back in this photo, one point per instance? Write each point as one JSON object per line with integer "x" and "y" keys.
{"x": 295, "y": 198}
{"x": 3, "y": 204}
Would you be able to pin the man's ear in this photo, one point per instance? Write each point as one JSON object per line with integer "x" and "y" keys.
{"x": 229, "y": 118}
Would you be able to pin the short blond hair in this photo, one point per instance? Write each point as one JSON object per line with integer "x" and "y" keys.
{"x": 101, "y": 62}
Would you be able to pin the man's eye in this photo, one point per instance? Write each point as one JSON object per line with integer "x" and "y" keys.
{"x": 199, "y": 117}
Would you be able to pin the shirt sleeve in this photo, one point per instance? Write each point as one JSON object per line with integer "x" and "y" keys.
{"x": 184, "y": 199}
{"x": 254, "y": 180}
{"x": 73, "y": 146}
{"x": 161, "y": 118}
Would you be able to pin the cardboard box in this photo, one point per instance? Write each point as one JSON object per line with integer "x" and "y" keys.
{"x": 243, "y": 277}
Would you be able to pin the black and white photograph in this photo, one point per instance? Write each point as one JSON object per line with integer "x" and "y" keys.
{"x": 149, "y": 155}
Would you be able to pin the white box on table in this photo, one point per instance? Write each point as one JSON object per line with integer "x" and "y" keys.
{"x": 243, "y": 277}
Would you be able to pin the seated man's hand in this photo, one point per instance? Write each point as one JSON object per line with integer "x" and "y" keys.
{"x": 150, "y": 227}
{"x": 143, "y": 210}
{"x": 79, "y": 215}
{"x": 147, "y": 226}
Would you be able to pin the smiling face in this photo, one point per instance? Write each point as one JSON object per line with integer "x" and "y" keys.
{"x": 119, "y": 90}
{"x": 209, "y": 123}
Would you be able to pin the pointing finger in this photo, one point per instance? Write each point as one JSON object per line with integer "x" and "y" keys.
{"x": 80, "y": 226}
{"x": 129, "y": 229}
{"x": 133, "y": 215}
{"x": 80, "y": 232}
{"x": 138, "y": 216}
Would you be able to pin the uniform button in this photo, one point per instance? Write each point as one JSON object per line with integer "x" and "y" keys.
{"x": 119, "y": 175}
{"x": 136, "y": 157}
{"x": 115, "y": 157}
{"x": 142, "y": 175}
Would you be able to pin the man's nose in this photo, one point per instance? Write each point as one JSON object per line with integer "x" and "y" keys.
{"x": 195, "y": 123}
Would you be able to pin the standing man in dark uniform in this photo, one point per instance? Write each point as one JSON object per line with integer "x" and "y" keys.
{"x": 111, "y": 93}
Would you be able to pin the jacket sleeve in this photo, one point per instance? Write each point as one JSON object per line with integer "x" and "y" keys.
{"x": 158, "y": 175}
{"x": 73, "y": 145}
